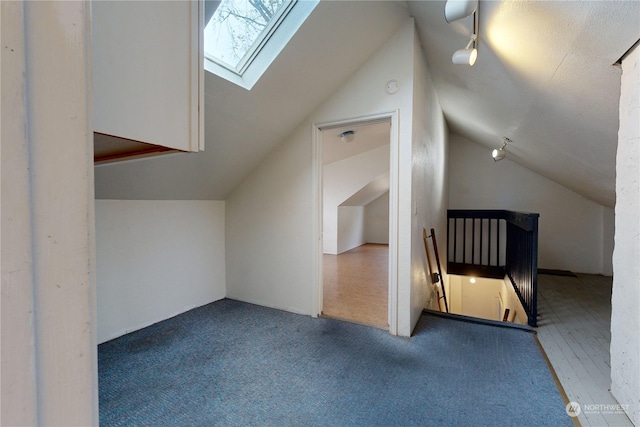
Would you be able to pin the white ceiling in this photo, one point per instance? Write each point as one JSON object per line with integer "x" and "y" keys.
{"x": 367, "y": 136}
{"x": 544, "y": 77}
{"x": 370, "y": 192}
{"x": 242, "y": 127}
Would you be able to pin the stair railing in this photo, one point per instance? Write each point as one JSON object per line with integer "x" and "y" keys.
{"x": 495, "y": 244}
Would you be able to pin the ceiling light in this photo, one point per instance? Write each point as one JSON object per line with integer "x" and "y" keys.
{"x": 347, "y": 136}
{"x": 468, "y": 55}
{"x": 458, "y": 9}
{"x": 500, "y": 153}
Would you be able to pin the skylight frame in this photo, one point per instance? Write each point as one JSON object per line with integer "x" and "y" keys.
{"x": 276, "y": 37}
{"x": 260, "y": 42}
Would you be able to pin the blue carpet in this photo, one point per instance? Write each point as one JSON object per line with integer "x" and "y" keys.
{"x": 232, "y": 363}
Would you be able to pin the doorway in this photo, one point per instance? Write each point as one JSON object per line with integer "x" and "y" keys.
{"x": 355, "y": 181}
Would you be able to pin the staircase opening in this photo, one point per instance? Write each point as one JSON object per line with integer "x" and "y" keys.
{"x": 492, "y": 259}
{"x": 485, "y": 298}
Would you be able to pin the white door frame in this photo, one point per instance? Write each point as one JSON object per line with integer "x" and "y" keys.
{"x": 317, "y": 129}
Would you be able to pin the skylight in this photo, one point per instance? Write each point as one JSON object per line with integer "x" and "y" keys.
{"x": 239, "y": 27}
{"x": 243, "y": 37}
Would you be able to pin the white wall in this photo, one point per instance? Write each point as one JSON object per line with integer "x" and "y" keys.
{"x": 574, "y": 232}
{"x": 479, "y": 299}
{"x": 156, "y": 259}
{"x": 358, "y": 225}
{"x": 429, "y": 182}
{"x": 341, "y": 180}
{"x": 270, "y": 215}
{"x": 278, "y": 235}
{"x": 350, "y": 227}
{"x": 517, "y": 313}
{"x": 625, "y": 316}
{"x": 608, "y": 233}
{"x": 376, "y": 220}
{"x": 269, "y": 230}
{"x": 486, "y": 299}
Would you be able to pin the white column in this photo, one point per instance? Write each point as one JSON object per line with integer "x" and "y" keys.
{"x": 49, "y": 351}
{"x": 17, "y": 372}
{"x": 625, "y": 301}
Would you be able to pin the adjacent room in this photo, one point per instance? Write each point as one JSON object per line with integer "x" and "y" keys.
{"x": 355, "y": 222}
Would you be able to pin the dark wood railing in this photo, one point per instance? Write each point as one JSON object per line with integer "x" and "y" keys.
{"x": 495, "y": 244}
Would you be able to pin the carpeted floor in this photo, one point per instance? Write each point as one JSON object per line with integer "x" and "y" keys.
{"x": 232, "y": 363}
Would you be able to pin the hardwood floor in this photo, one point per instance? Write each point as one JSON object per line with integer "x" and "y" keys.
{"x": 355, "y": 285}
{"x": 574, "y": 330}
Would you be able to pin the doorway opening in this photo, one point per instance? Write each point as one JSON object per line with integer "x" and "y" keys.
{"x": 356, "y": 252}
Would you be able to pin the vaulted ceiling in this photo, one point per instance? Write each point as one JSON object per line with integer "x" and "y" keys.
{"x": 242, "y": 127}
{"x": 545, "y": 77}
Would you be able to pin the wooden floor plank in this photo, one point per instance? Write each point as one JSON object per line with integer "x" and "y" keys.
{"x": 574, "y": 330}
{"x": 356, "y": 285}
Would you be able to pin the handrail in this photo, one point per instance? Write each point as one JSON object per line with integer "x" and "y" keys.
{"x": 435, "y": 250}
{"x": 495, "y": 244}
{"x": 434, "y": 276}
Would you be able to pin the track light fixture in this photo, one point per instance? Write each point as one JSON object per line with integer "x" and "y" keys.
{"x": 458, "y": 9}
{"x": 500, "y": 153}
{"x": 347, "y": 136}
{"x": 468, "y": 55}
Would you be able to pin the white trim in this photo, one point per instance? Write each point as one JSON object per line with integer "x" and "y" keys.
{"x": 199, "y": 97}
{"x": 262, "y": 40}
{"x": 394, "y": 170}
{"x": 316, "y": 173}
{"x": 394, "y": 206}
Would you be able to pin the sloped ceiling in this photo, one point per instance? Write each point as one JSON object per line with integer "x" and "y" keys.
{"x": 367, "y": 136}
{"x": 369, "y": 192}
{"x": 545, "y": 77}
{"x": 242, "y": 126}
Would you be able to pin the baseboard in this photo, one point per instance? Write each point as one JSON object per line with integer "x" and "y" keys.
{"x": 496, "y": 323}
{"x": 556, "y": 272}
